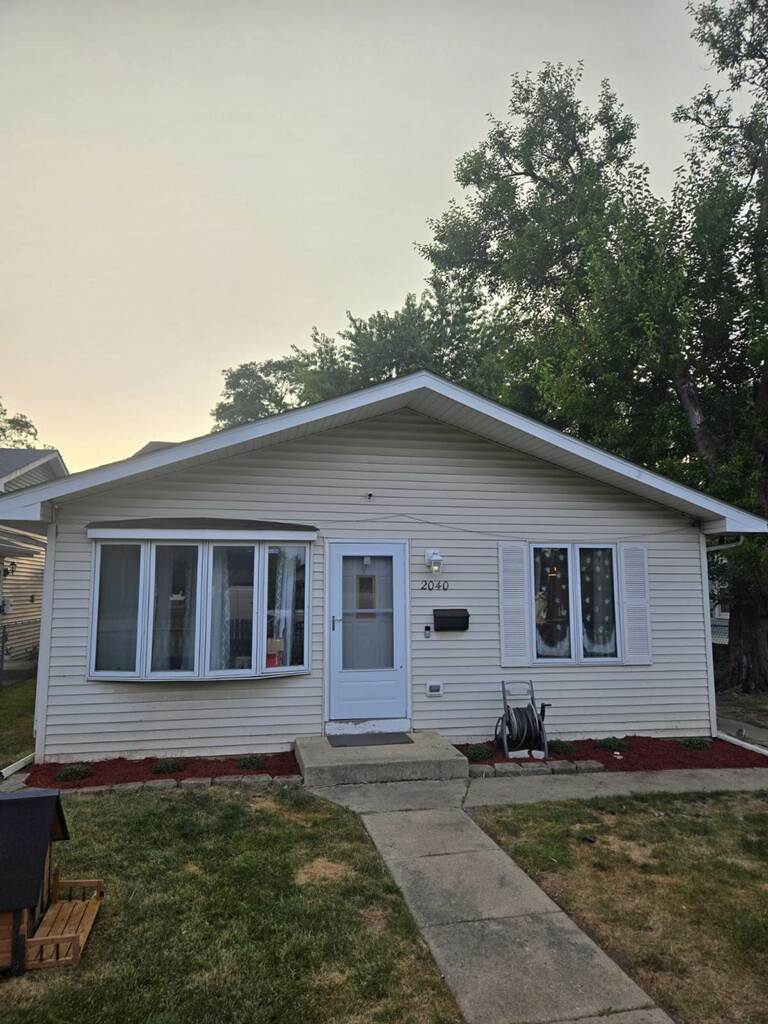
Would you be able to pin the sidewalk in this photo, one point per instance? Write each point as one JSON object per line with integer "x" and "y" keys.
{"x": 506, "y": 950}
{"x": 743, "y": 730}
{"x": 410, "y": 796}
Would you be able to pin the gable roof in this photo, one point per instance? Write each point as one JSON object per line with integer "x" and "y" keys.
{"x": 425, "y": 393}
{"x": 29, "y": 820}
{"x": 16, "y": 462}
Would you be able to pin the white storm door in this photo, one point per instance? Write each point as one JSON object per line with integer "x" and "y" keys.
{"x": 367, "y": 629}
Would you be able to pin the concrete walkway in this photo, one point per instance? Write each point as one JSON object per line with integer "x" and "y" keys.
{"x": 506, "y": 950}
{"x": 497, "y": 792}
{"x": 743, "y": 730}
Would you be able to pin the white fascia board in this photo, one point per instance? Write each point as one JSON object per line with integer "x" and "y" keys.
{"x": 52, "y": 456}
{"x": 711, "y": 512}
{"x": 134, "y": 533}
{"x": 705, "y": 505}
{"x": 17, "y": 513}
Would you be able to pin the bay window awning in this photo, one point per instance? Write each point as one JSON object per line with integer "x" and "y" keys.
{"x": 199, "y": 528}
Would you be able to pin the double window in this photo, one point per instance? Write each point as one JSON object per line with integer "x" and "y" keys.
{"x": 184, "y": 609}
{"x": 575, "y": 607}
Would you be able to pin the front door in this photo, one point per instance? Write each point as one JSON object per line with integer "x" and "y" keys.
{"x": 367, "y": 592}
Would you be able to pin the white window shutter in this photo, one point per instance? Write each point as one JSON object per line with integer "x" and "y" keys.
{"x": 514, "y": 604}
{"x": 635, "y": 604}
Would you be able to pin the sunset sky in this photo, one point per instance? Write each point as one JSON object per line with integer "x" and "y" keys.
{"x": 189, "y": 184}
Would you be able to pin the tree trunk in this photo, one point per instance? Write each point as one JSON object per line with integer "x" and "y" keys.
{"x": 748, "y": 643}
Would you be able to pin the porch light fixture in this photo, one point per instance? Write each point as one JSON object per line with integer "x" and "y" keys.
{"x": 433, "y": 559}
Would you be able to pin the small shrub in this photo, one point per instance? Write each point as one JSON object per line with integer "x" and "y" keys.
{"x": 697, "y": 743}
{"x": 252, "y": 761}
{"x": 71, "y": 772}
{"x": 167, "y": 765}
{"x": 561, "y": 747}
{"x": 613, "y": 743}
{"x": 478, "y": 752}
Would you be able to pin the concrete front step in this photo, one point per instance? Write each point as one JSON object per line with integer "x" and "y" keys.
{"x": 430, "y": 756}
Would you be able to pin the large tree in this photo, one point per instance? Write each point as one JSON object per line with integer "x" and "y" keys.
{"x": 562, "y": 286}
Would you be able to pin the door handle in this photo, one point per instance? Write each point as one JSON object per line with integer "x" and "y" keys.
{"x": 333, "y": 622}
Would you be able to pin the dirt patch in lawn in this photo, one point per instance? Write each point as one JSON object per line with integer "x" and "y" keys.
{"x": 673, "y": 887}
{"x": 646, "y": 753}
{"x": 122, "y": 769}
{"x": 323, "y": 870}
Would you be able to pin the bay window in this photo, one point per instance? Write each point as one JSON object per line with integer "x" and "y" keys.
{"x": 198, "y": 609}
{"x": 574, "y": 603}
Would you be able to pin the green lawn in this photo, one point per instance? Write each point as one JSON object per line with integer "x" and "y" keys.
{"x": 224, "y": 906}
{"x": 674, "y": 887}
{"x": 17, "y": 710}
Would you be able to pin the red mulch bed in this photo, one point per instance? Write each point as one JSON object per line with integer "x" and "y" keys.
{"x": 121, "y": 769}
{"x": 650, "y": 754}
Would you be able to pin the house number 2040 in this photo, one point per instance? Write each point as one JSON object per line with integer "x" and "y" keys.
{"x": 434, "y": 584}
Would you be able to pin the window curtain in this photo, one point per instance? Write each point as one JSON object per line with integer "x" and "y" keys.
{"x": 283, "y": 600}
{"x": 221, "y": 612}
{"x": 551, "y": 596}
{"x": 598, "y": 607}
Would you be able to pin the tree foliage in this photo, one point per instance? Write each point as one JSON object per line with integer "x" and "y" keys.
{"x": 16, "y": 431}
{"x": 563, "y": 286}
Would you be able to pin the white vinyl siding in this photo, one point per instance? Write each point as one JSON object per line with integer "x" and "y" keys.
{"x": 434, "y": 487}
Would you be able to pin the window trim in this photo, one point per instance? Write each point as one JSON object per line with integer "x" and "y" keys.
{"x": 231, "y": 673}
{"x": 144, "y": 631}
{"x": 618, "y": 658}
{"x": 94, "y": 618}
{"x": 282, "y": 670}
{"x": 148, "y": 622}
{"x": 532, "y": 599}
{"x": 577, "y": 655}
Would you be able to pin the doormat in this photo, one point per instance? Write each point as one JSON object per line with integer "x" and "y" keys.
{"x": 369, "y": 739}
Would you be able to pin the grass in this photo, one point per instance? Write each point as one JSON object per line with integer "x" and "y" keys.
{"x": 167, "y": 765}
{"x": 751, "y": 708}
{"x": 674, "y": 887}
{"x": 229, "y": 908}
{"x": 17, "y": 711}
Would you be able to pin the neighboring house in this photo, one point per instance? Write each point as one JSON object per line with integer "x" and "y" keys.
{"x": 293, "y": 575}
{"x": 22, "y": 555}
{"x": 720, "y": 616}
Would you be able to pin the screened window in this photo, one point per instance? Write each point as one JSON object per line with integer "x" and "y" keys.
{"x": 166, "y": 610}
{"x": 118, "y": 608}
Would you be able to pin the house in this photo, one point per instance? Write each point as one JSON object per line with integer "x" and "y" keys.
{"x": 37, "y": 928}
{"x": 286, "y": 578}
{"x": 22, "y": 558}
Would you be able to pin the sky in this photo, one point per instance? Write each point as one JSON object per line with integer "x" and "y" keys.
{"x": 186, "y": 185}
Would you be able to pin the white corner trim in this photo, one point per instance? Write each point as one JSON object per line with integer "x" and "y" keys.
{"x": 708, "y": 636}
{"x": 741, "y": 743}
{"x": 44, "y": 648}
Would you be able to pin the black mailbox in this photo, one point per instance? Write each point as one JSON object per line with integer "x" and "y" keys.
{"x": 449, "y": 620}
